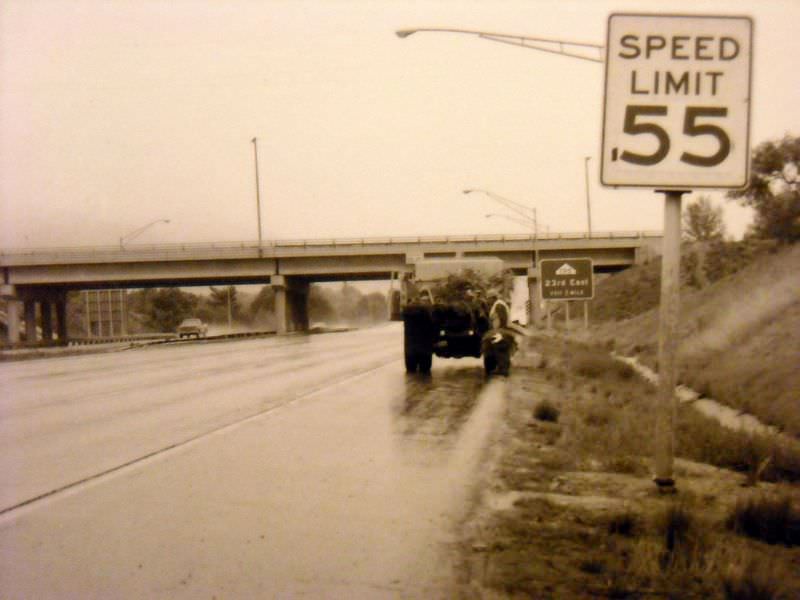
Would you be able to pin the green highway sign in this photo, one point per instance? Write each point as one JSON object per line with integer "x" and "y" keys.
{"x": 567, "y": 279}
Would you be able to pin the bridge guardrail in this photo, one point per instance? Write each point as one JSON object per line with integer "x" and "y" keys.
{"x": 241, "y": 249}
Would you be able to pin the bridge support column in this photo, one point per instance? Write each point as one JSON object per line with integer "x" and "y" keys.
{"x": 47, "y": 321}
{"x": 279, "y": 285}
{"x": 297, "y": 301}
{"x": 13, "y": 306}
{"x": 534, "y": 297}
{"x": 291, "y": 303}
{"x": 31, "y": 336}
{"x": 61, "y": 320}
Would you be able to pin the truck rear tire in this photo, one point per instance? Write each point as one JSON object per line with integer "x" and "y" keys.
{"x": 425, "y": 361}
{"x": 489, "y": 363}
{"x": 411, "y": 362}
{"x": 418, "y": 339}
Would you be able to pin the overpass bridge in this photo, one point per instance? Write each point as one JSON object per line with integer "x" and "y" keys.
{"x": 43, "y": 276}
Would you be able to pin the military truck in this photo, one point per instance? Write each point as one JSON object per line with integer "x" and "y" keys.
{"x": 446, "y": 308}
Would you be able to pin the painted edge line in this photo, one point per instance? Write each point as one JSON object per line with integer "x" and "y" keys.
{"x": 186, "y": 442}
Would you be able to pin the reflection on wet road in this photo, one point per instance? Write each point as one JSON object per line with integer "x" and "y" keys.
{"x": 439, "y": 405}
{"x": 353, "y": 488}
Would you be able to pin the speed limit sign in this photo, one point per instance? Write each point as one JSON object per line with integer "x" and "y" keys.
{"x": 677, "y": 101}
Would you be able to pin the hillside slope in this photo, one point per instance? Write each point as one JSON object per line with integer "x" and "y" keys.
{"x": 739, "y": 336}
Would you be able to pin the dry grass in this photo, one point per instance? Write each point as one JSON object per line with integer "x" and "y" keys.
{"x": 740, "y": 336}
{"x": 613, "y": 541}
{"x": 761, "y": 457}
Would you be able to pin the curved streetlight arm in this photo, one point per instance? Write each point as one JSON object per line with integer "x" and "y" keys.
{"x": 518, "y": 40}
{"x": 523, "y": 222}
{"x": 137, "y": 232}
{"x": 523, "y": 210}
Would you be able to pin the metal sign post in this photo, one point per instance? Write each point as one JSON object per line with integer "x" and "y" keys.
{"x": 669, "y": 311}
{"x": 676, "y": 117}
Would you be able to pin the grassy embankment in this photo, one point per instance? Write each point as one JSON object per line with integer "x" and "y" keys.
{"x": 570, "y": 510}
{"x": 739, "y": 334}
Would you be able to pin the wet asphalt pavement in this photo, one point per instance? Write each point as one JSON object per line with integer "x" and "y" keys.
{"x": 305, "y": 466}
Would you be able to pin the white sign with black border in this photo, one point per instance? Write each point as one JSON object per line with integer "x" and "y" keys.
{"x": 677, "y": 101}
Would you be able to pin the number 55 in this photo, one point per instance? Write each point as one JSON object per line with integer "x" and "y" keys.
{"x": 690, "y": 128}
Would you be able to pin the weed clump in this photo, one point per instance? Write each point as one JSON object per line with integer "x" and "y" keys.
{"x": 773, "y": 520}
{"x": 625, "y": 524}
{"x": 546, "y": 411}
{"x": 750, "y": 583}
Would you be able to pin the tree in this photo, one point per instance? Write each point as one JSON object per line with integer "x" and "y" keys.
{"x": 774, "y": 190}
{"x": 165, "y": 308}
{"x": 372, "y": 308}
{"x": 320, "y": 306}
{"x": 347, "y": 303}
{"x": 219, "y": 300}
{"x": 702, "y": 222}
{"x": 262, "y": 308}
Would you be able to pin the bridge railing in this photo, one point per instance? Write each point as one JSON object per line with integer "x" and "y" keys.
{"x": 250, "y": 249}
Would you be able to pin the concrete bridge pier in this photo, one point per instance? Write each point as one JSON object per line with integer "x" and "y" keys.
{"x": 47, "y": 320}
{"x": 30, "y": 321}
{"x": 534, "y": 297}
{"x": 13, "y": 305}
{"x": 61, "y": 319}
{"x": 291, "y": 303}
{"x": 21, "y": 305}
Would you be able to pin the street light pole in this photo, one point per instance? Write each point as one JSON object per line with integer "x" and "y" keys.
{"x": 588, "y": 203}
{"x": 258, "y": 195}
{"x": 137, "y": 232}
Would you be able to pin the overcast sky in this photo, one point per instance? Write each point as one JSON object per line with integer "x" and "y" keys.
{"x": 114, "y": 114}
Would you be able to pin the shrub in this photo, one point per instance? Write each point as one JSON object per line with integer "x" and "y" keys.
{"x": 546, "y": 411}
{"x": 626, "y": 524}
{"x": 770, "y": 519}
{"x": 749, "y": 583}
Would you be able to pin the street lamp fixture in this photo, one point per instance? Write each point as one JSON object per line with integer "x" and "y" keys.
{"x": 137, "y": 232}
{"x": 556, "y": 46}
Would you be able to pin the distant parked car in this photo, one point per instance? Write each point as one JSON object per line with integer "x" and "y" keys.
{"x": 192, "y": 327}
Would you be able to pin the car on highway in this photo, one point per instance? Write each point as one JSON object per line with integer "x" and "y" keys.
{"x": 192, "y": 327}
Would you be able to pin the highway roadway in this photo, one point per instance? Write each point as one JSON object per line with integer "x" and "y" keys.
{"x": 285, "y": 467}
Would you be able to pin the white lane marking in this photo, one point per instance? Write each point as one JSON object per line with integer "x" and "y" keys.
{"x": 12, "y": 512}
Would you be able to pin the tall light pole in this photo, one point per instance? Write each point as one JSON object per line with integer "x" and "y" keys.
{"x": 588, "y": 202}
{"x": 137, "y": 232}
{"x": 258, "y": 195}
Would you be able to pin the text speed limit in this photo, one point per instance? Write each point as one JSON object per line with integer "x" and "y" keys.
{"x": 677, "y": 101}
